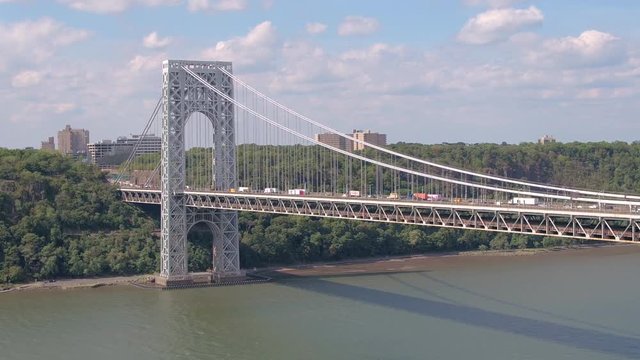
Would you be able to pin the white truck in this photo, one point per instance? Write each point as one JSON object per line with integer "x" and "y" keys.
{"x": 270, "y": 190}
{"x": 354, "y": 193}
{"x": 523, "y": 201}
{"x": 296, "y": 192}
{"x": 244, "y": 189}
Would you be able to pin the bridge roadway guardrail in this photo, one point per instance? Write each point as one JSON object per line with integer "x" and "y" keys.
{"x": 592, "y": 224}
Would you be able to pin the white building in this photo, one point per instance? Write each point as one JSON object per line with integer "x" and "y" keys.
{"x": 108, "y": 153}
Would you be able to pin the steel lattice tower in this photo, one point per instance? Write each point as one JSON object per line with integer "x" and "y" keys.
{"x": 182, "y": 96}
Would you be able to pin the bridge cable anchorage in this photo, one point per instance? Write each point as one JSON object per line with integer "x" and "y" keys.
{"x": 397, "y": 168}
{"x": 425, "y": 162}
{"x": 136, "y": 146}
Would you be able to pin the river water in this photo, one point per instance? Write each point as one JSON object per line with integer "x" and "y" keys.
{"x": 579, "y": 304}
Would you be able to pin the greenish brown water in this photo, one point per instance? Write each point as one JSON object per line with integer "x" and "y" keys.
{"x": 578, "y": 305}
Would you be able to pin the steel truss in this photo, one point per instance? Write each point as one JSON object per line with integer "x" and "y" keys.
{"x": 566, "y": 223}
{"x": 182, "y": 96}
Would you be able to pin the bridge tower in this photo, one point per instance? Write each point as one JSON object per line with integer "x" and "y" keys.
{"x": 183, "y": 95}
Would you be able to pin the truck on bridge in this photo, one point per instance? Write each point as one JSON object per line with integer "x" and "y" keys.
{"x": 427, "y": 197}
{"x": 524, "y": 201}
{"x": 296, "y": 192}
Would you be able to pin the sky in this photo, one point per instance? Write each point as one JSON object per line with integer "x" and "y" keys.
{"x": 427, "y": 71}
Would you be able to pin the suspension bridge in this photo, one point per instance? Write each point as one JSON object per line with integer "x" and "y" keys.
{"x": 227, "y": 147}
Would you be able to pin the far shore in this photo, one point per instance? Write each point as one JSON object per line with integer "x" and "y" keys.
{"x": 405, "y": 263}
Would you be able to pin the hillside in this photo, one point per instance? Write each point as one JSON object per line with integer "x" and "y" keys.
{"x": 60, "y": 217}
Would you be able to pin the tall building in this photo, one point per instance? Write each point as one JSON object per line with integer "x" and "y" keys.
{"x": 49, "y": 145}
{"x": 100, "y": 150}
{"x": 73, "y": 141}
{"x": 547, "y": 139}
{"x": 343, "y": 143}
{"x": 368, "y": 136}
{"x": 335, "y": 140}
{"x": 108, "y": 153}
{"x": 149, "y": 143}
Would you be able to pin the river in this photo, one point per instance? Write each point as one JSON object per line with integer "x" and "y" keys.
{"x": 576, "y": 304}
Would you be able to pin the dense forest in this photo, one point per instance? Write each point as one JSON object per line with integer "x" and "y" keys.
{"x": 61, "y": 218}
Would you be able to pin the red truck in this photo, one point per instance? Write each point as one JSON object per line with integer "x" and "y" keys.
{"x": 427, "y": 197}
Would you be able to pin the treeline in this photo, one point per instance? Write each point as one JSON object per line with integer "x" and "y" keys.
{"x": 60, "y": 217}
{"x": 598, "y": 166}
{"x": 276, "y": 239}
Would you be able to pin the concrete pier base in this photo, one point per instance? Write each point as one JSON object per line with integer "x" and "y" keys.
{"x": 199, "y": 278}
{"x": 172, "y": 281}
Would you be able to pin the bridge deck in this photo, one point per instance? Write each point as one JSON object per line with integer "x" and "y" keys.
{"x": 593, "y": 224}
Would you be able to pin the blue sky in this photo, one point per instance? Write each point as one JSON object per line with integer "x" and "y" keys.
{"x": 420, "y": 71}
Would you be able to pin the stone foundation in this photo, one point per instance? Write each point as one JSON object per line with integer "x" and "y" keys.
{"x": 174, "y": 280}
{"x": 199, "y": 278}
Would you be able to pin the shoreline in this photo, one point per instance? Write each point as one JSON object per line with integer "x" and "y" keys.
{"x": 400, "y": 263}
{"x": 425, "y": 262}
{"x": 78, "y": 283}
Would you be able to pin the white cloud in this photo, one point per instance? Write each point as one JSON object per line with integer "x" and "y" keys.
{"x": 35, "y": 41}
{"x": 153, "y": 41}
{"x": 358, "y": 25}
{"x": 230, "y": 5}
{"x": 219, "y": 5}
{"x": 113, "y": 6}
{"x": 316, "y": 28}
{"x": 98, "y": 6}
{"x": 491, "y": 3}
{"x": 26, "y": 79}
{"x": 36, "y": 110}
{"x": 305, "y": 68}
{"x": 375, "y": 51}
{"x": 198, "y": 5}
{"x": 61, "y": 108}
{"x": 257, "y": 47}
{"x": 591, "y": 48}
{"x": 146, "y": 63}
{"x": 498, "y": 24}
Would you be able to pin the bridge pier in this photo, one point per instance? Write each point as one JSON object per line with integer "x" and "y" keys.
{"x": 182, "y": 96}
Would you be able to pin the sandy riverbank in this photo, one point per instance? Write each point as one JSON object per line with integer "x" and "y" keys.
{"x": 359, "y": 266}
{"x": 435, "y": 261}
{"x": 65, "y": 284}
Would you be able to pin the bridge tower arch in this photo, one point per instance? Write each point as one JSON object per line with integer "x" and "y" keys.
{"x": 183, "y": 95}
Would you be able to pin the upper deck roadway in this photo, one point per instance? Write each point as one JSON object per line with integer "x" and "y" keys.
{"x": 618, "y": 224}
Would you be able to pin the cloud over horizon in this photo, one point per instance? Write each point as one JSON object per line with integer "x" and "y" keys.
{"x": 348, "y": 71}
{"x": 498, "y": 24}
{"x": 256, "y": 48}
{"x": 153, "y": 41}
{"x": 34, "y": 41}
{"x": 358, "y": 25}
{"x": 590, "y": 48}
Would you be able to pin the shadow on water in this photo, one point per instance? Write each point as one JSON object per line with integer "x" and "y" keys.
{"x": 419, "y": 289}
{"x": 277, "y": 275}
{"x": 516, "y": 305}
{"x": 567, "y": 335}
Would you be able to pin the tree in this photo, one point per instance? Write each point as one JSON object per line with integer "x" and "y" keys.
{"x": 499, "y": 242}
